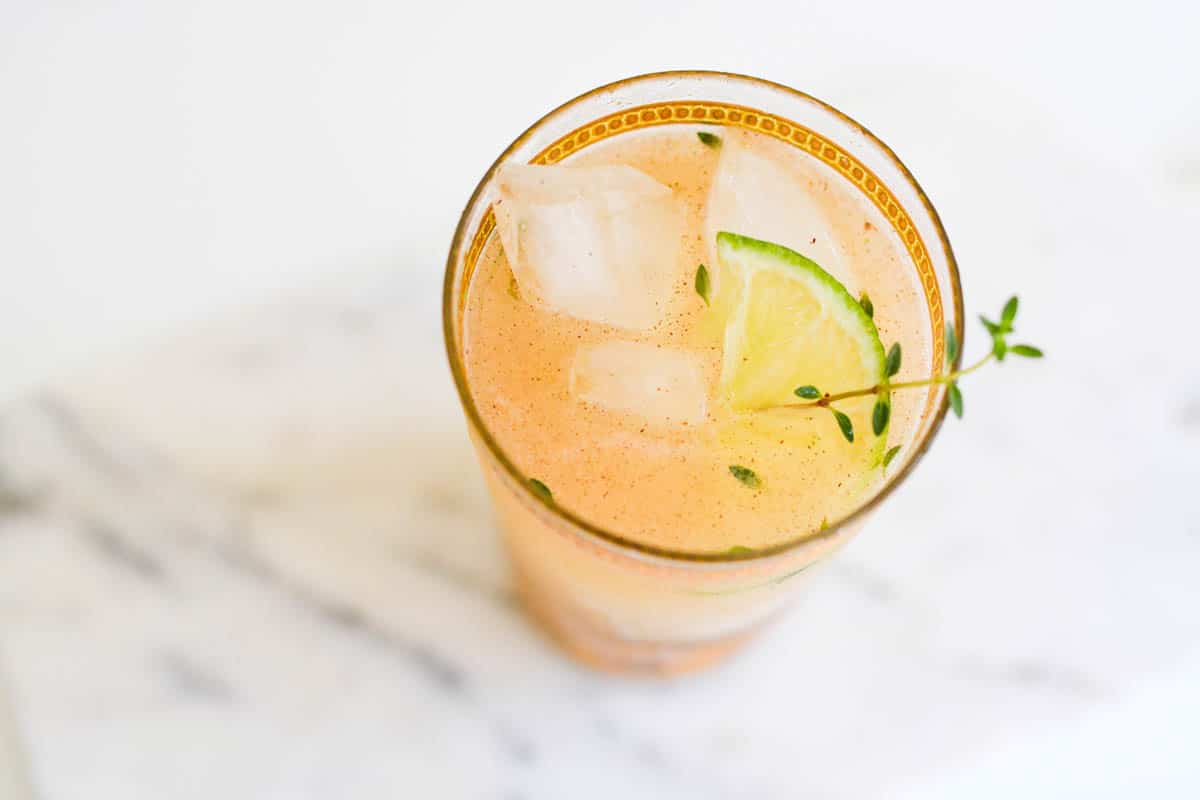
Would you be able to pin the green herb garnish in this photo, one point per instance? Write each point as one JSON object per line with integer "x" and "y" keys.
{"x": 867, "y": 305}
{"x": 746, "y": 476}
{"x": 710, "y": 139}
{"x": 890, "y": 455}
{"x": 880, "y": 415}
{"x": 892, "y": 364}
{"x": 951, "y": 345}
{"x": 541, "y": 490}
{"x": 999, "y": 348}
{"x": 1009, "y": 313}
{"x": 955, "y": 397}
{"x": 702, "y": 283}
{"x": 881, "y": 412}
{"x": 844, "y": 423}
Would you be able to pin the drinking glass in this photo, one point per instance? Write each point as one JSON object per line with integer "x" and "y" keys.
{"x": 610, "y": 601}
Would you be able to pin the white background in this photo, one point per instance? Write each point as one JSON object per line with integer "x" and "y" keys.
{"x": 160, "y": 162}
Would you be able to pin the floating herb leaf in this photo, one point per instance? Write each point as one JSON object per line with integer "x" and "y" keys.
{"x": 739, "y": 550}
{"x": 1026, "y": 350}
{"x": 702, "y": 283}
{"x": 808, "y": 392}
{"x": 746, "y": 476}
{"x": 542, "y": 490}
{"x": 867, "y": 305}
{"x": 845, "y": 424}
{"x": 890, "y": 455}
{"x": 710, "y": 139}
{"x": 880, "y": 415}
{"x": 892, "y": 365}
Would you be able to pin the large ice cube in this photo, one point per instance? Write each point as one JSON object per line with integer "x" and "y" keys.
{"x": 598, "y": 243}
{"x": 755, "y": 195}
{"x": 659, "y": 384}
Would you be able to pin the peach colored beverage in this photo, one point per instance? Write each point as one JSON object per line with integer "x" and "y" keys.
{"x": 601, "y": 425}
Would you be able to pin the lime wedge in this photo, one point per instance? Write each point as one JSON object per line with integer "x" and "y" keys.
{"x": 793, "y": 324}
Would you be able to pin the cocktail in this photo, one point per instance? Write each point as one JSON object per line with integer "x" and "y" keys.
{"x": 666, "y": 308}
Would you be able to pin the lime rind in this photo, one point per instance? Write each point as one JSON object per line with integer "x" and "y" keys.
{"x": 743, "y": 256}
{"x": 790, "y": 323}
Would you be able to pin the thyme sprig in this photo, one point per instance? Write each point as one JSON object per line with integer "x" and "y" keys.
{"x": 949, "y": 377}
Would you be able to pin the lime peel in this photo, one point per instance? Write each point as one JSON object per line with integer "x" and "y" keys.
{"x": 793, "y": 324}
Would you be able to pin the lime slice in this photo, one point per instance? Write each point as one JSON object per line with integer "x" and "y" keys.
{"x": 793, "y": 324}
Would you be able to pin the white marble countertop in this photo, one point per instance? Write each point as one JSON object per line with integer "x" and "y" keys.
{"x": 256, "y": 561}
{"x": 252, "y": 557}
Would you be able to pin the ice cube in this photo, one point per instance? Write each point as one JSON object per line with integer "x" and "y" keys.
{"x": 597, "y": 243}
{"x": 758, "y": 196}
{"x": 659, "y": 384}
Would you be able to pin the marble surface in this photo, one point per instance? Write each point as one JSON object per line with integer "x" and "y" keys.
{"x": 252, "y": 558}
{"x": 256, "y": 560}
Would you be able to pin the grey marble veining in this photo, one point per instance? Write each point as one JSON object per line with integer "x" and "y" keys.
{"x": 245, "y": 581}
{"x": 256, "y": 560}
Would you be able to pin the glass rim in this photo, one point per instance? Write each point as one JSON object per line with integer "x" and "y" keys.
{"x": 624, "y": 543}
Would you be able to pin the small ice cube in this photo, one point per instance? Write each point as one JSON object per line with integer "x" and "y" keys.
{"x": 755, "y": 196}
{"x": 660, "y": 384}
{"x": 597, "y": 243}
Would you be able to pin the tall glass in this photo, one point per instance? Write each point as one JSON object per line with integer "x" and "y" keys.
{"x": 612, "y": 602}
